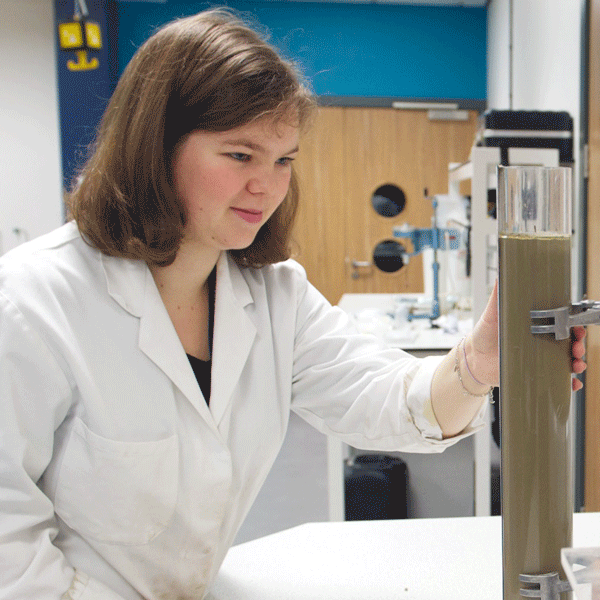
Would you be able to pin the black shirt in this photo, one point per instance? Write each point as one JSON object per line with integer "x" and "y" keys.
{"x": 202, "y": 368}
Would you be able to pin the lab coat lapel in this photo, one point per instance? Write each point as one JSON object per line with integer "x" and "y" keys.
{"x": 234, "y": 334}
{"x": 131, "y": 284}
{"x": 160, "y": 342}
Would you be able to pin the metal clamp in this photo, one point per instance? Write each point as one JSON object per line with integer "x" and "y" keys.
{"x": 549, "y": 586}
{"x": 586, "y": 312}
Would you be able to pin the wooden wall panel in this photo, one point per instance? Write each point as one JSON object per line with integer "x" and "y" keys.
{"x": 347, "y": 156}
{"x": 384, "y": 146}
{"x": 319, "y": 234}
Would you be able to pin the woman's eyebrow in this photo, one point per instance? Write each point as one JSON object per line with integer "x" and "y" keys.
{"x": 254, "y": 146}
{"x": 244, "y": 142}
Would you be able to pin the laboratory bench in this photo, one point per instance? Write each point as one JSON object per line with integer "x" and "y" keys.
{"x": 374, "y": 313}
{"x": 413, "y": 559}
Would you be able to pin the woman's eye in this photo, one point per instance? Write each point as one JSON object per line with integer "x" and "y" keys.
{"x": 239, "y": 156}
{"x": 286, "y": 160}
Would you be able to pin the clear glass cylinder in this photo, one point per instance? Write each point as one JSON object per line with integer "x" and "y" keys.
{"x": 534, "y": 227}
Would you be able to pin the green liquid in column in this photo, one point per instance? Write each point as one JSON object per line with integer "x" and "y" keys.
{"x": 535, "y": 393}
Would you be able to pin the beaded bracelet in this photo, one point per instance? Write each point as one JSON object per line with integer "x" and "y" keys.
{"x": 466, "y": 392}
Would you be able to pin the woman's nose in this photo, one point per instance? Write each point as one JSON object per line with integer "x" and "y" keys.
{"x": 259, "y": 182}
{"x": 257, "y": 185}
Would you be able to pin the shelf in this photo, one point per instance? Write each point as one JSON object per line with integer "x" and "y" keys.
{"x": 460, "y": 171}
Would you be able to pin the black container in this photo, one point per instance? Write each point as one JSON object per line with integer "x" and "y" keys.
{"x": 527, "y": 129}
{"x": 375, "y": 488}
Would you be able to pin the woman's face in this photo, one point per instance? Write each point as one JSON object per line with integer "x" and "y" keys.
{"x": 231, "y": 182}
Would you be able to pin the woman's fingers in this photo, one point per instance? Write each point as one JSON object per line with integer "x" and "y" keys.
{"x": 578, "y": 365}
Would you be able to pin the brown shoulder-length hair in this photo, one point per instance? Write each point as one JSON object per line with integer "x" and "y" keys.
{"x": 207, "y": 72}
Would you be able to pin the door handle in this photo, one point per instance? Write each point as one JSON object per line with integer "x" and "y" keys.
{"x": 360, "y": 264}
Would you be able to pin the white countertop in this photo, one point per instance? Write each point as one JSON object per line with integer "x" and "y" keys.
{"x": 373, "y": 313}
{"x": 413, "y": 559}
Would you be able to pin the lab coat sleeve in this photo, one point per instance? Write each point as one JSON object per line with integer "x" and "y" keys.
{"x": 36, "y": 396}
{"x": 353, "y": 386}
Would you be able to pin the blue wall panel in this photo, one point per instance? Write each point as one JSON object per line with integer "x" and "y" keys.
{"x": 353, "y": 49}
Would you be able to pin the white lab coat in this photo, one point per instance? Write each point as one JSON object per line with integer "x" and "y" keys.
{"x": 117, "y": 481}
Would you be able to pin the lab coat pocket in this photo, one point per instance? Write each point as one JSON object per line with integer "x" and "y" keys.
{"x": 117, "y": 492}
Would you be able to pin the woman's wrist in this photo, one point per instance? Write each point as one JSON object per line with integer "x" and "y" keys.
{"x": 471, "y": 384}
{"x": 479, "y": 366}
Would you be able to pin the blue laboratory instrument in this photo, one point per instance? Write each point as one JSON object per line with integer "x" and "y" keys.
{"x": 437, "y": 239}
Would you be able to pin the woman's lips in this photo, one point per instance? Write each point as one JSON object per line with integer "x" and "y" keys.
{"x": 250, "y": 216}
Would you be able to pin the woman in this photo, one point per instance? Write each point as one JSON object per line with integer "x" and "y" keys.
{"x": 152, "y": 348}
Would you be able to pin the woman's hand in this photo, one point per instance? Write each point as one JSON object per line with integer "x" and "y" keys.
{"x": 578, "y": 365}
{"x": 484, "y": 355}
{"x": 485, "y": 352}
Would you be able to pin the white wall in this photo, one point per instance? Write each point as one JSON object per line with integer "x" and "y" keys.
{"x": 498, "y": 41}
{"x": 30, "y": 165}
{"x": 546, "y": 67}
